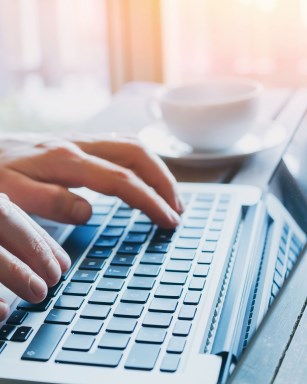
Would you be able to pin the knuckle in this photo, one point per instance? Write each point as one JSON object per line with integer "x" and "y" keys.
{"x": 60, "y": 148}
{"x": 38, "y": 245}
{"x": 17, "y": 267}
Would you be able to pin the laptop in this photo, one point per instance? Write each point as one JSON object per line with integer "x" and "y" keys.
{"x": 141, "y": 304}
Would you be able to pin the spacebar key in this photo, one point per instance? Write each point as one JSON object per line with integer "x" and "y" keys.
{"x": 77, "y": 242}
{"x": 44, "y": 342}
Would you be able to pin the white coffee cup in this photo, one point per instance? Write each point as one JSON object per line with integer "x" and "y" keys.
{"x": 212, "y": 115}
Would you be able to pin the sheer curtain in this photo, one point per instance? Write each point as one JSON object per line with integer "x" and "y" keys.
{"x": 266, "y": 39}
{"x": 53, "y": 61}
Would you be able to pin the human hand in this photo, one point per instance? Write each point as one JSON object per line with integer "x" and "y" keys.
{"x": 30, "y": 260}
{"x": 37, "y": 170}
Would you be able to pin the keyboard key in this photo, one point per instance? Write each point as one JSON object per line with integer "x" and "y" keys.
{"x": 147, "y": 270}
{"x": 77, "y": 243}
{"x": 121, "y": 325}
{"x": 69, "y": 302}
{"x": 278, "y": 280}
{"x": 129, "y": 310}
{"x": 130, "y": 249}
{"x": 53, "y": 291}
{"x": 135, "y": 296}
{"x": 22, "y": 334}
{"x": 209, "y": 246}
{"x": 123, "y": 213}
{"x": 163, "y": 305}
{"x": 212, "y": 236}
{"x": 87, "y": 326}
{"x": 6, "y": 331}
{"x": 106, "y": 200}
{"x": 101, "y": 209}
{"x": 103, "y": 297}
{"x": 96, "y": 220}
{"x": 170, "y": 363}
{"x": 92, "y": 264}
{"x": 141, "y": 228}
{"x": 85, "y": 276}
{"x": 182, "y": 254}
{"x": 164, "y": 235}
{"x": 126, "y": 260}
{"x": 216, "y": 225}
{"x": 205, "y": 197}
{"x": 2, "y": 346}
{"x": 60, "y": 316}
{"x": 205, "y": 258}
{"x": 156, "y": 319}
{"x": 44, "y": 342}
{"x": 100, "y": 358}
{"x": 153, "y": 258}
{"x": 169, "y": 291}
{"x": 187, "y": 243}
{"x": 109, "y": 284}
{"x": 182, "y": 328}
{"x": 39, "y": 307}
{"x": 137, "y": 238}
{"x": 195, "y": 223}
{"x": 176, "y": 345}
{"x": 114, "y": 341}
{"x": 178, "y": 266}
{"x": 191, "y": 233}
{"x": 192, "y": 298}
{"x": 17, "y": 317}
{"x": 142, "y": 218}
{"x": 95, "y": 311}
{"x": 201, "y": 270}
{"x": 204, "y": 205}
{"x": 117, "y": 272}
{"x": 99, "y": 253}
{"x": 143, "y": 356}
{"x": 197, "y": 284}
{"x": 79, "y": 342}
{"x": 107, "y": 242}
{"x": 158, "y": 247}
{"x": 187, "y": 312}
{"x": 219, "y": 216}
{"x": 112, "y": 232}
{"x": 120, "y": 222}
{"x": 151, "y": 335}
{"x": 77, "y": 289}
{"x": 173, "y": 278}
{"x": 141, "y": 282}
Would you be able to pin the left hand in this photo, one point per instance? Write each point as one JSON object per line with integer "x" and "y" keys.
{"x": 37, "y": 170}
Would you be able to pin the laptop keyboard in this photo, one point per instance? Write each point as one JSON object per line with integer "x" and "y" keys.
{"x": 135, "y": 292}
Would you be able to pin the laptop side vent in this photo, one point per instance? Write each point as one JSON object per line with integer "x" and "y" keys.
{"x": 223, "y": 290}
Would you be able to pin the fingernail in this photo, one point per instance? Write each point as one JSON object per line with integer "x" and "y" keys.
{"x": 174, "y": 217}
{"x": 180, "y": 204}
{"x": 53, "y": 270}
{"x": 81, "y": 211}
{"x": 64, "y": 259}
{"x": 38, "y": 286}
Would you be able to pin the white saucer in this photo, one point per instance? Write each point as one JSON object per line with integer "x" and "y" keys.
{"x": 264, "y": 136}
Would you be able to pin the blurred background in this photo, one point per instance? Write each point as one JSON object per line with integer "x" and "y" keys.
{"x": 61, "y": 60}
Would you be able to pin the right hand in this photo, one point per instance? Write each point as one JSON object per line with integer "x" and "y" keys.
{"x": 30, "y": 260}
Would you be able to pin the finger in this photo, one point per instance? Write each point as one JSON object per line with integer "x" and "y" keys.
{"x": 59, "y": 253}
{"x": 47, "y": 200}
{"x": 129, "y": 153}
{"x": 4, "y": 309}
{"x": 21, "y": 239}
{"x": 19, "y": 278}
{"x": 105, "y": 177}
